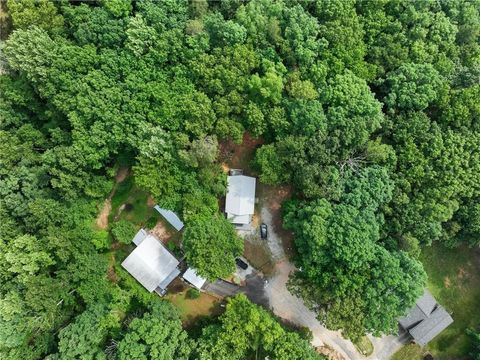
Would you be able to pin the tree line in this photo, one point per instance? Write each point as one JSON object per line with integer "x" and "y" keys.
{"x": 368, "y": 108}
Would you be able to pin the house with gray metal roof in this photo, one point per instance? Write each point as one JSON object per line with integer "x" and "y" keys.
{"x": 240, "y": 200}
{"x": 151, "y": 264}
{"x": 425, "y": 320}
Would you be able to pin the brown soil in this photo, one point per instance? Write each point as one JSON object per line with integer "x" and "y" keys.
{"x": 122, "y": 174}
{"x": 239, "y": 156}
{"x": 161, "y": 232}
{"x": 331, "y": 353}
{"x": 150, "y": 201}
{"x": 102, "y": 218}
{"x": 111, "y": 274}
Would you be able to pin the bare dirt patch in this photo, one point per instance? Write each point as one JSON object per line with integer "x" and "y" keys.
{"x": 122, "y": 174}
{"x": 102, "y": 218}
{"x": 150, "y": 201}
{"x": 446, "y": 282}
{"x": 111, "y": 274}
{"x": 328, "y": 351}
{"x": 161, "y": 232}
{"x": 462, "y": 274}
{"x": 239, "y": 156}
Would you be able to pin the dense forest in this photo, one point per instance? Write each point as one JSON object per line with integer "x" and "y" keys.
{"x": 369, "y": 109}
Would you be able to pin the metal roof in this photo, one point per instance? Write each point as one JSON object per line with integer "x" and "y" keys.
{"x": 171, "y": 217}
{"x": 139, "y": 237}
{"x": 239, "y": 219}
{"x": 151, "y": 263}
{"x": 191, "y": 276}
{"x": 240, "y": 198}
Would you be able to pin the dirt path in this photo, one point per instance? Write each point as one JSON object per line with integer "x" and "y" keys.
{"x": 102, "y": 218}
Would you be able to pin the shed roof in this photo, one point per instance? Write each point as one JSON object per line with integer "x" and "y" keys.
{"x": 151, "y": 263}
{"x": 191, "y": 276}
{"x": 240, "y": 198}
{"x": 171, "y": 217}
{"x": 139, "y": 237}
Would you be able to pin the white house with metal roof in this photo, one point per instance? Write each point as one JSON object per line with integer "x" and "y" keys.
{"x": 151, "y": 264}
{"x": 426, "y": 319}
{"x": 240, "y": 199}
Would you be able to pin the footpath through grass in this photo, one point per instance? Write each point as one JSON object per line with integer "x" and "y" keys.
{"x": 454, "y": 280}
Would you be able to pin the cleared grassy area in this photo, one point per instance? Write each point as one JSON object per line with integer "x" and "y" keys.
{"x": 409, "y": 352}
{"x": 131, "y": 203}
{"x": 364, "y": 346}
{"x": 454, "y": 280}
{"x": 192, "y": 310}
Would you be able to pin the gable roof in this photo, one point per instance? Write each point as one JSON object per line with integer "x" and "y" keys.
{"x": 438, "y": 320}
{"x": 240, "y": 198}
{"x": 426, "y": 319}
{"x": 171, "y": 217}
{"x": 151, "y": 264}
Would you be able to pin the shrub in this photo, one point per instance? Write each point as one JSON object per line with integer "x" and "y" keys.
{"x": 123, "y": 231}
{"x": 193, "y": 293}
{"x": 100, "y": 239}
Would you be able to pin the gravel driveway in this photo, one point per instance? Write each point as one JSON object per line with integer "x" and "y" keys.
{"x": 292, "y": 308}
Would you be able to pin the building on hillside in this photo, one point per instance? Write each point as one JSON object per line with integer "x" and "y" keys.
{"x": 193, "y": 278}
{"x": 171, "y": 217}
{"x": 151, "y": 264}
{"x": 240, "y": 200}
{"x": 425, "y": 320}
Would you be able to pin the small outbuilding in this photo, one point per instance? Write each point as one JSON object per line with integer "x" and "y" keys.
{"x": 240, "y": 199}
{"x": 151, "y": 264}
{"x": 171, "y": 217}
{"x": 193, "y": 278}
{"x": 425, "y": 320}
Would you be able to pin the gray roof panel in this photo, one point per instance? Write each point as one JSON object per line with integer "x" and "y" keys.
{"x": 171, "y": 217}
{"x": 432, "y": 326}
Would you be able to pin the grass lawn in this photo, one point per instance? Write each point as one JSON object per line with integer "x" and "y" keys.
{"x": 192, "y": 309}
{"x": 454, "y": 280}
{"x": 409, "y": 352}
{"x": 131, "y": 203}
{"x": 364, "y": 346}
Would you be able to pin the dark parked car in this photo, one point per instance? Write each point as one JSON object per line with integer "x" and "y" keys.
{"x": 241, "y": 264}
{"x": 263, "y": 231}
